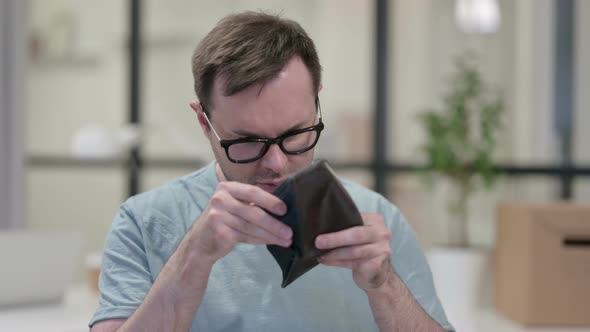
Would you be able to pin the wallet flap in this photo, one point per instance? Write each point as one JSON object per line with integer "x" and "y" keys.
{"x": 326, "y": 207}
{"x": 317, "y": 203}
{"x": 286, "y": 257}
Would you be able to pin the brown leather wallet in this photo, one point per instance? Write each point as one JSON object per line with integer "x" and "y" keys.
{"x": 317, "y": 203}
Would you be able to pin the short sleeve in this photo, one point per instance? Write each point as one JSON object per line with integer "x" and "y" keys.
{"x": 411, "y": 266}
{"x": 125, "y": 278}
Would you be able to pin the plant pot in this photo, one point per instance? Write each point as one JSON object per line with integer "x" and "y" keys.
{"x": 462, "y": 277}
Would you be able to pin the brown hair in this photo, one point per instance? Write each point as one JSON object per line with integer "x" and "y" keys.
{"x": 249, "y": 48}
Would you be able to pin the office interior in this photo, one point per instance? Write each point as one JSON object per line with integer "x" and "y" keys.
{"x": 95, "y": 108}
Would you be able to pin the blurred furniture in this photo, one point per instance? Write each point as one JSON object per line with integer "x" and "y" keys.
{"x": 543, "y": 263}
{"x": 71, "y": 315}
{"x": 37, "y": 266}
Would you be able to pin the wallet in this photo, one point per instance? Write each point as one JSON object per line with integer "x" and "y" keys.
{"x": 317, "y": 203}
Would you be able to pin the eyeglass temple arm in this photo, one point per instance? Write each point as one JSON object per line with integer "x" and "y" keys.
{"x": 319, "y": 107}
{"x": 209, "y": 122}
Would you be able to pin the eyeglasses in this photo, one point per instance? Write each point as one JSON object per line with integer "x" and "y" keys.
{"x": 294, "y": 142}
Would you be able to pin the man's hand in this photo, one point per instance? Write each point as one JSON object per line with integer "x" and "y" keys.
{"x": 366, "y": 251}
{"x": 363, "y": 249}
{"x": 236, "y": 214}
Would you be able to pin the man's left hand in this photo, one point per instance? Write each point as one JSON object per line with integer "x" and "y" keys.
{"x": 363, "y": 249}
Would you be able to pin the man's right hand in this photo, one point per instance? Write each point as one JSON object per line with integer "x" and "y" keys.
{"x": 236, "y": 214}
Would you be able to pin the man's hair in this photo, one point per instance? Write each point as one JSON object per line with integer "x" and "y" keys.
{"x": 250, "y": 48}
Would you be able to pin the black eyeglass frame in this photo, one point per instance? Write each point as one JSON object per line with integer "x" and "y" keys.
{"x": 226, "y": 144}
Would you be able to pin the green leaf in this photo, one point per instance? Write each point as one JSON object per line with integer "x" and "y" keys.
{"x": 461, "y": 136}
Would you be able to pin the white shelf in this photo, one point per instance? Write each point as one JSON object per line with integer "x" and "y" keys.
{"x": 64, "y": 62}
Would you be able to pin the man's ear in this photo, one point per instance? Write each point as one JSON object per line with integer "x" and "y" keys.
{"x": 321, "y": 87}
{"x": 196, "y": 106}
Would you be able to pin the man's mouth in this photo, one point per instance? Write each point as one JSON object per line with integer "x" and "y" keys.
{"x": 270, "y": 185}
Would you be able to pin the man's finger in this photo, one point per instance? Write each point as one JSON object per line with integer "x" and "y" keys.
{"x": 372, "y": 218}
{"x": 366, "y": 251}
{"x": 252, "y": 194}
{"x": 353, "y": 236}
{"x": 256, "y": 216}
{"x": 251, "y": 233}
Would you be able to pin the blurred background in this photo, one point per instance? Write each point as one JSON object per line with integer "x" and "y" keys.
{"x": 94, "y": 103}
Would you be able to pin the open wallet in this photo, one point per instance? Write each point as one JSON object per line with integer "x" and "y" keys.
{"x": 317, "y": 203}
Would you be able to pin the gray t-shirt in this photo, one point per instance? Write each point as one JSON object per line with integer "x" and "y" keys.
{"x": 244, "y": 291}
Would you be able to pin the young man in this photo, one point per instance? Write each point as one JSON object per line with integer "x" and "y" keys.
{"x": 191, "y": 255}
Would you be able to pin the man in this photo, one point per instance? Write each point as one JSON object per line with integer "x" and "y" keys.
{"x": 191, "y": 255}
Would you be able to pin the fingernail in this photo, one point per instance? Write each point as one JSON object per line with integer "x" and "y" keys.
{"x": 320, "y": 242}
{"x": 281, "y": 209}
{"x": 286, "y": 244}
{"x": 286, "y": 233}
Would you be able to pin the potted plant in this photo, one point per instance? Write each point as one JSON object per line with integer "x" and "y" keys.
{"x": 460, "y": 141}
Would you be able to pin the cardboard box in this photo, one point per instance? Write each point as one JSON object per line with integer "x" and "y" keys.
{"x": 543, "y": 264}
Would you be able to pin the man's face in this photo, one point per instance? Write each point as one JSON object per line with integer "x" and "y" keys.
{"x": 268, "y": 110}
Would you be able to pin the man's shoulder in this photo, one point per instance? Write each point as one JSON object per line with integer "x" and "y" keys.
{"x": 355, "y": 188}
{"x": 184, "y": 193}
{"x": 367, "y": 200}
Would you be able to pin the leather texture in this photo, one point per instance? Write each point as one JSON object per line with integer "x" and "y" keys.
{"x": 317, "y": 203}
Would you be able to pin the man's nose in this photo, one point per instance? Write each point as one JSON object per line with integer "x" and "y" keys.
{"x": 275, "y": 159}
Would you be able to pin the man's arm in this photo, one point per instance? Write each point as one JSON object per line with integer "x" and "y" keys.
{"x": 395, "y": 309}
{"x": 366, "y": 251}
{"x": 235, "y": 214}
{"x": 173, "y": 300}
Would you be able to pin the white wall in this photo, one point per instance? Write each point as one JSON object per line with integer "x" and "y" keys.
{"x": 517, "y": 60}
{"x": 72, "y": 83}
{"x": 68, "y": 90}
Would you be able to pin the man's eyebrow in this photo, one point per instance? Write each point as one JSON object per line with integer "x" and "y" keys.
{"x": 246, "y": 133}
